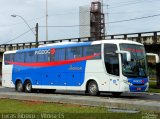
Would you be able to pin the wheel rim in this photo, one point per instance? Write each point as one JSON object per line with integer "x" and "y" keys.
{"x": 93, "y": 88}
{"x": 19, "y": 86}
{"x": 28, "y": 87}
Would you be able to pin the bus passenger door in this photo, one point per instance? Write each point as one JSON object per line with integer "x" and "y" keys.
{"x": 114, "y": 74}
{"x": 111, "y": 60}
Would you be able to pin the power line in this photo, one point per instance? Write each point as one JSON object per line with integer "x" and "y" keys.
{"x": 29, "y": 20}
{"x": 126, "y": 20}
{"x": 67, "y": 13}
{"x": 137, "y": 11}
{"x": 130, "y": 2}
{"x": 67, "y": 26}
{"x": 127, "y": 3}
{"x": 42, "y": 17}
{"x": 16, "y": 37}
{"x": 132, "y": 19}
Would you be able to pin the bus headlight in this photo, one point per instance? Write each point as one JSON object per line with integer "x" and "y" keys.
{"x": 127, "y": 82}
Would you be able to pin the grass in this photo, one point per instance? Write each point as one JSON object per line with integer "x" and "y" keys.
{"x": 153, "y": 88}
{"x": 14, "y": 106}
{"x": 66, "y": 111}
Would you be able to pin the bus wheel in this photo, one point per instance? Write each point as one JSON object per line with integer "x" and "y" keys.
{"x": 93, "y": 88}
{"x": 28, "y": 87}
{"x": 19, "y": 86}
{"x": 116, "y": 94}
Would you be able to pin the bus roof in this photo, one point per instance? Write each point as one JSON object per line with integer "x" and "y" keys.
{"x": 9, "y": 52}
{"x": 73, "y": 44}
{"x": 55, "y": 44}
{"x": 115, "y": 41}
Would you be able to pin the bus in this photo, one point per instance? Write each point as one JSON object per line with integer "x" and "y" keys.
{"x": 114, "y": 66}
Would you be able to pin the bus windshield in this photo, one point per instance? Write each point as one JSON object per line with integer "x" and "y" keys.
{"x": 137, "y": 67}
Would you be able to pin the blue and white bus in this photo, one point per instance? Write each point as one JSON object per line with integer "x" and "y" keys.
{"x": 114, "y": 66}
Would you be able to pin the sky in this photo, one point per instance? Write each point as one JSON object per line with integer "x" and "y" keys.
{"x": 66, "y": 13}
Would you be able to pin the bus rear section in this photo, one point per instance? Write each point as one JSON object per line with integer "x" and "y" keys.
{"x": 7, "y": 69}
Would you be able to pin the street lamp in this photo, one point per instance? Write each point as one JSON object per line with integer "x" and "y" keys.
{"x": 14, "y": 15}
{"x": 35, "y": 34}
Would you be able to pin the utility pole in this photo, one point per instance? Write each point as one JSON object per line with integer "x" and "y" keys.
{"x": 46, "y": 20}
{"x": 36, "y": 35}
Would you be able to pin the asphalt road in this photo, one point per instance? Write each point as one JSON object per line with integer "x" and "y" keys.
{"x": 130, "y": 96}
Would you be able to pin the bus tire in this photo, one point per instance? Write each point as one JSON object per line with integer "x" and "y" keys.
{"x": 19, "y": 86}
{"x": 93, "y": 88}
{"x": 28, "y": 86}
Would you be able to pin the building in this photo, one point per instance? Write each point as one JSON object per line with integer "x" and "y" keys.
{"x": 84, "y": 21}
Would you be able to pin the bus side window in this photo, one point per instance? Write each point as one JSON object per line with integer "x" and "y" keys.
{"x": 8, "y": 58}
{"x": 30, "y": 56}
{"x": 74, "y": 52}
{"x": 59, "y": 55}
{"x": 19, "y": 57}
{"x": 43, "y": 57}
{"x": 92, "y": 50}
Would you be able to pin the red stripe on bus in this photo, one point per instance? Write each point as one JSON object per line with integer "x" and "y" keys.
{"x": 54, "y": 63}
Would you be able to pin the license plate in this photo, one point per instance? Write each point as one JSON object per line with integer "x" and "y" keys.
{"x": 138, "y": 88}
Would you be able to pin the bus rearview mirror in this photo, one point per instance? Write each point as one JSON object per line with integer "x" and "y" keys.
{"x": 127, "y": 54}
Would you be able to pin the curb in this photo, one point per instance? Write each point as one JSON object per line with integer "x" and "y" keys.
{"x": 148, "y": 93}
{"x": 135, "y": 104}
